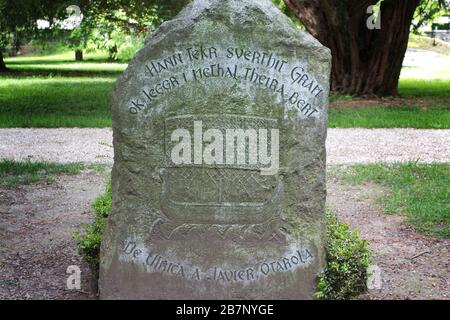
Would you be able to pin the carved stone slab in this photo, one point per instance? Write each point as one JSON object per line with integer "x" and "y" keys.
{"x": 219, "y": 175}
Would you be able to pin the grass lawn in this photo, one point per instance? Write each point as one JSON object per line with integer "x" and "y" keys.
{"x": 54, "y": 91}
{"x": 53, "y": 102}
{"x": 425, "y": 105}
{"x": 419, "y": 191}
{"x": 14, "y": 173}
{"x": 417, "y": 88}
{"x": 435, "y": 117}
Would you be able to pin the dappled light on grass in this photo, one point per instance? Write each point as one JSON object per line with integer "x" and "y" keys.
{"x": 55, "y": 102}
{"x": 434, "y": 88}
{"x": 74, "y": 67}
{"x": 64, "y": 64}
{"x": 424, "y": 104}
{"x": 55, "y": 91}
{"x": 67, "y": 56}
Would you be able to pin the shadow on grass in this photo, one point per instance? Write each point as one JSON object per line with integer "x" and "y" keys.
{"x": 60, "y": 61}
{"x": 44, "y": 72}
{"x": 63, "y": 66}
{"x": 55, "y": 101}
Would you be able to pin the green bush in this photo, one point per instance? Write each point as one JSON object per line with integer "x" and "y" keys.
{"x": 88, "y": 243}
{"x": 348, "y": 257}
{"x": 103, "y": 203}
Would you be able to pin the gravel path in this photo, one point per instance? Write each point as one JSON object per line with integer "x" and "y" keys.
{"x": 57, "y": 145}
{"x": 349, "y": 146}
{"x": 345, "y": 146}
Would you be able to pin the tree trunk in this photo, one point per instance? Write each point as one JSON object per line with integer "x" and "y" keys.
{"x": 366, "y": 61}
{"x": 78, "y": 55}
{"x": 3, "y": 67}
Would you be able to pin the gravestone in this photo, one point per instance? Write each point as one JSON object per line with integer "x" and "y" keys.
{"x": 219, "y": 174}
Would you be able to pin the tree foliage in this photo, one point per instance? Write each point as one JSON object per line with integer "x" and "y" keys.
{"x": 132, "y": 15}
{"x": 113, "y": 25}
{"x": 428, "y": 11}
{"x": 18, "y": 20}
